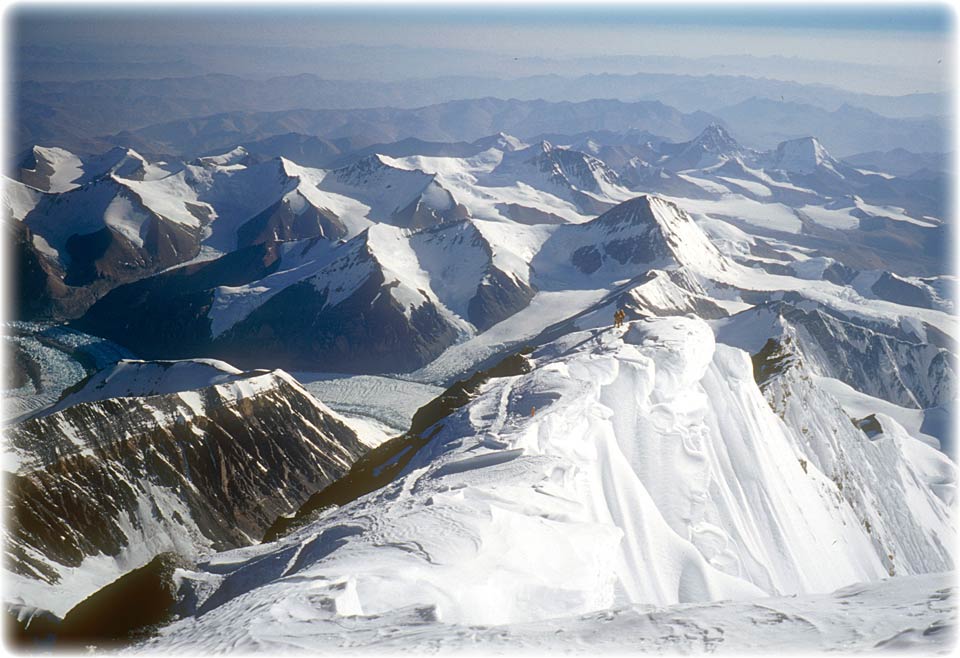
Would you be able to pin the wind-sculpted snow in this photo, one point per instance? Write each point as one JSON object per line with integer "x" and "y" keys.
{"x": 913, "y": 613}
{"x": 636, "y": 466}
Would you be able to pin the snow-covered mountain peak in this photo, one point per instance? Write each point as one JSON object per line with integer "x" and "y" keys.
{"x": 362, "y": 169}
{"x": 501, "y": 141}
{"x": 715, "y": 138}
{"x": 664, "y": 224}
{"x": 52, "y": 169}
{"x": 644, "y": 233}
{"x": 713, "y": 146}
{"x": 401, "y": 196}
{"x": 803, "y": 156}
{"x": 562, "y": 171}
{"x": 290, "y": 168}
{"x": 123, "y": 162}
{"x": 233, "y": 157}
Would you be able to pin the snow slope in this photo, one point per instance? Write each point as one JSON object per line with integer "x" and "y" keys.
{"x": 130, "y": 378}
{"x": 915, "y": 614}
{"x": 18, "y": 199}
{"x": 636, "y": 466}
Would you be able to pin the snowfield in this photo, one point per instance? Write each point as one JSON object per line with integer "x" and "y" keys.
{"x": 912, "y": 614}
{"x": 635, "y": 467}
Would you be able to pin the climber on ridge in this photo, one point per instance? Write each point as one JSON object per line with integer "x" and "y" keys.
{"x": 619, "y": 317}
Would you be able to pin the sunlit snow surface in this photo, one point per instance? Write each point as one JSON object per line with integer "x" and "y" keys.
{"x": 637, "y": 467}
{"x": 390, "y": 401}
{"x": 912, "y": 614}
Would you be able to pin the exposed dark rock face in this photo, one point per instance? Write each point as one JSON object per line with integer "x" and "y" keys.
{"x": 104, "y": 254}
{"x": 35, "y": 170}
{"x": 498, "y": 297}
{"x": 38, "y": 291}
{"x": 27, "y": 627}
{"x": 192, "y": 471}
{"x": 307, "y": 323}
{"x": 123, "y": 611}
{"x": 282, "y": 221}
{"x": 529, "y": 215}
{"x": 368, "y": 332}
{"x": 126, "y": 608}
{"x": 839, "y": 274}
{"x": 164, "y": 316}
{"x": 773, "y": 359}
{"x": 900, "y": 291}
{"x": 858, "y": 353}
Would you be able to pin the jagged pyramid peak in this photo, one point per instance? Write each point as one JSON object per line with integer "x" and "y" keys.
{"x": 715, "y": 137}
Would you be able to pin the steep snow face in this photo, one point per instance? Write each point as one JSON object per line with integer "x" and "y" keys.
{"x": 637, "y": 466}
{"x": 18, "y": 199}
{"x": 901, "y": 489}
{"x": 254, "y": 201}
{"x": 878, "y": 358}
{"x": 126, "y": 207}
{"x": 54, "y": 170}
{"x": 802, "y": 156}
{"x": 57, "y": 170}
{"x": 123, "y": 163}
{"x": 236, "y": 193}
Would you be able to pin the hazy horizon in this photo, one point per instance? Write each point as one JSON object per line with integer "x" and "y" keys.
{"x": 885, "y": 49}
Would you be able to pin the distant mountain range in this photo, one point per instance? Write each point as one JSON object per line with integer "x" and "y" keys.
{"x": 84, "y": 224}
{"x": 79, "y": 115}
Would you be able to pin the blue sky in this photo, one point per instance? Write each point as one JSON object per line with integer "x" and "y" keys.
{"x": 912, "y": 17}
